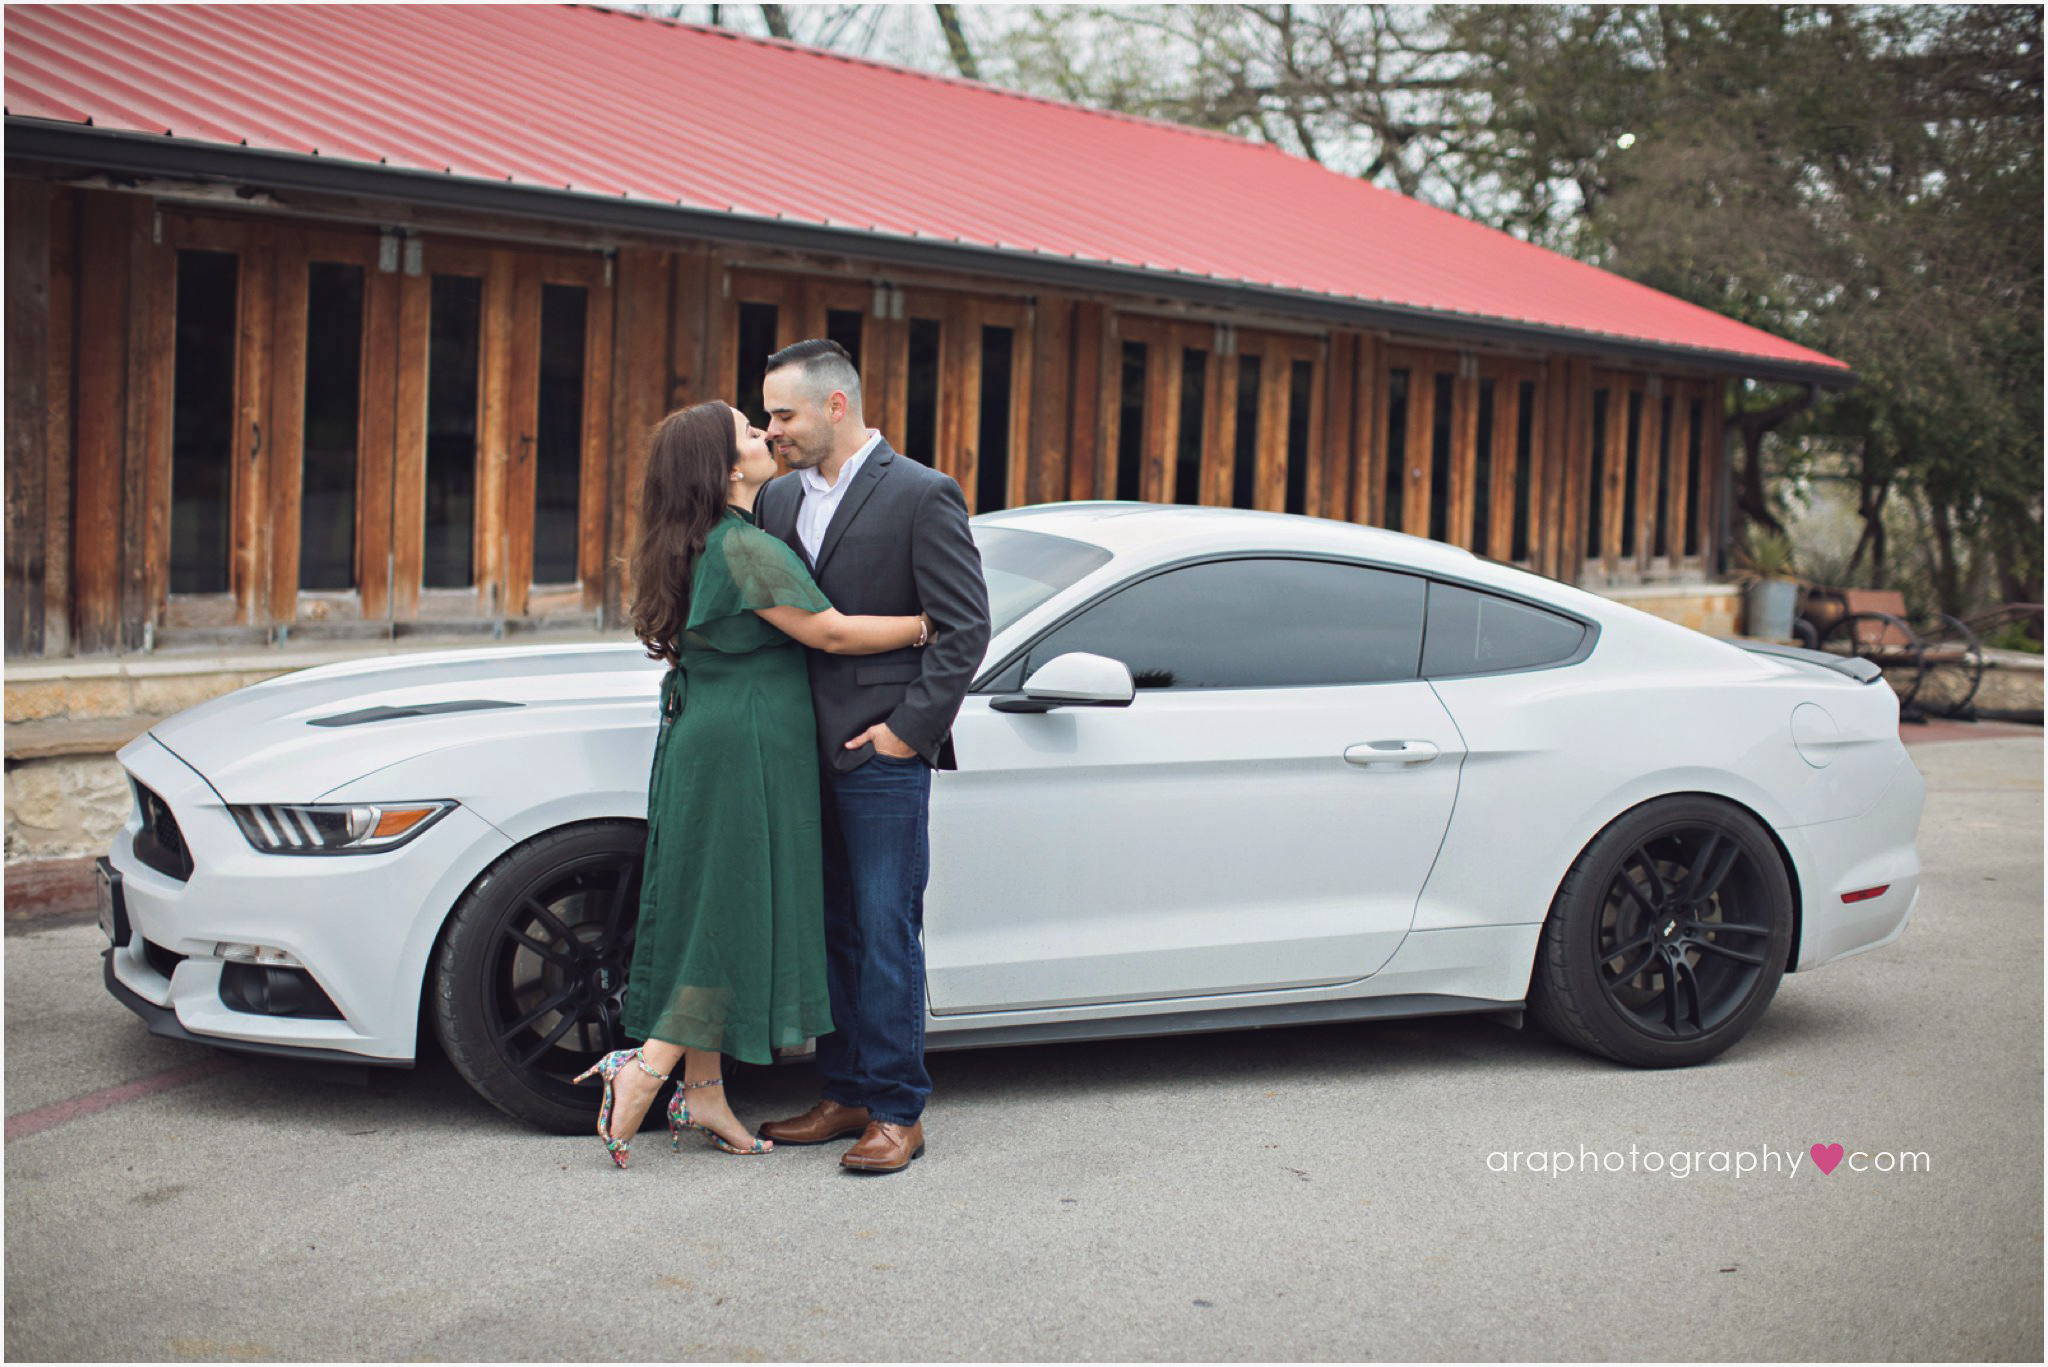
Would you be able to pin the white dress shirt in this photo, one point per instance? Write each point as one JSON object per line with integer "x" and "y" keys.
{"x": 821, "y": 500}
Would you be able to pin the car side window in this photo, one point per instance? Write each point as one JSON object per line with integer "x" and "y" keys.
{"x": 1253, "y": 624}
{"x": 1481, "y": 633}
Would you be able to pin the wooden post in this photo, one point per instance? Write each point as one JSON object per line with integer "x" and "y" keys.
{"x": 409, "y": 444}
{"x": 377, "y": 437}
{"x": 1162, "y": 417}
{"x": 1219, "y": 431}
{"x": 1504, "y": 460}
{"x": 284, "y": 449}
{"x": 28, "y": 342}
{"x": 1332, "y": 440}
{"x": 495, "y": 436}
{"x": 1084, "y": 453}
{"x": 593, "y": 504}
{"x": 1614, "y": 470}
{"x": 105, "y": 223}
{"x": 1416, "y": 452}
{"x": 1464, "y": 452}
{"x": 1039, "y": 455}
{"x": 1369, "y": 425}
{"x": 1713, "y": 460}
{"x": 1648, "y": 488}
{"x": 59, "y": 507}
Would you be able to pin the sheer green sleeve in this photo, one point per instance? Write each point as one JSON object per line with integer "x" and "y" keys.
{"x": 741, "y": 571}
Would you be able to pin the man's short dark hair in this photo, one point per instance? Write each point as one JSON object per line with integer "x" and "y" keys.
{"x": 825, "y": 365}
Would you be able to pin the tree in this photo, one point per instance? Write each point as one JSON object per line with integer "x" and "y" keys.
{"x": 1866, "y": 181}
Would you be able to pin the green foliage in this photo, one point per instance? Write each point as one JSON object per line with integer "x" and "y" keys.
{"x": 2013, "y": 636}
{"x": 1767, "y": 556}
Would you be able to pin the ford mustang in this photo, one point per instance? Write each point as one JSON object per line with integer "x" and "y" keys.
{"x": 1220, "y": 769}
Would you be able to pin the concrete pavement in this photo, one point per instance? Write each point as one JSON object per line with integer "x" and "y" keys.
{"x": 1316, "y": 1193}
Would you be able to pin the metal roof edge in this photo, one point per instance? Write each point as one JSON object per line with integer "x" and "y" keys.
{"x": 44, "y": 141}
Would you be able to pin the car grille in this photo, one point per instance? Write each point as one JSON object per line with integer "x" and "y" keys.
{"x": 160, "y": 844}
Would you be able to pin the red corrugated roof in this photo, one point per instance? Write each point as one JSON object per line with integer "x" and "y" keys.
{"x": 614, "y": 104}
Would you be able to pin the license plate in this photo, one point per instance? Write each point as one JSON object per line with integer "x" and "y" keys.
{"x": 112, "y": 915}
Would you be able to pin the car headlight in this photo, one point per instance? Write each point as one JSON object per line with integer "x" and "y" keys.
{"x": 336, "y": 828}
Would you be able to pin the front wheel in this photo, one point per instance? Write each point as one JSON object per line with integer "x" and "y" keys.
{"x": 529, "y": 983}
{"x": 1668, "y": 938}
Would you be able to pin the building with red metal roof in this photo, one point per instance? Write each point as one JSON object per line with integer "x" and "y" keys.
{"x": 490, "y": 216}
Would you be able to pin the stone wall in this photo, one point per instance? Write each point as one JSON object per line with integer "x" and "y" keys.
{"x": 1715, "y": 609}
{"x": 66, "y": 807}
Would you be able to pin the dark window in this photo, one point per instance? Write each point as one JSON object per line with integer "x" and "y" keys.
{"x": 452, "y": 355}
{"x": 1661, "y": 547}
{"x": 1598, "y": 473}
{"x": 1482, "y": 473}
{"x": 843, "y": 326}
{"x": 1301, "y": 387}
{"x": 1394, "y": 488}
{"x": 756, "y": 343}
{"x": 1440, "y": 460}
{"x": 1130, "y": 423}
{"x": 327, "y": 472}
{"x": 1525, "y": 451}
{"x": 203, "y": 421}
{"x": 1194, "y": 395}
{"x": 1244, "y": 468}
{"x": 558, "y": 453}
{"x": 1694, "y": 433}
{"x": 1254, "y": 624}
{"x": 992, "y": 456}
{"x": 1630, "y": 514}
{"x": 1478, "y": 633}
{"x": 921, "y": 397}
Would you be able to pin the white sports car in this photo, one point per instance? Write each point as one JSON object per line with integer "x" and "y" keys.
{"x": 1221, "y": 769}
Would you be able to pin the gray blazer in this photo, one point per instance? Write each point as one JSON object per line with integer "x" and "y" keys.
{"x": 897, "y": 545}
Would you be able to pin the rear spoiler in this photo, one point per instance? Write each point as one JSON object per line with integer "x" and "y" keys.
{"x": 1862, "y": 671}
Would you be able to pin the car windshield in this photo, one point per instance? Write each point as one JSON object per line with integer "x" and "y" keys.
{"x": 1026, "y": 568}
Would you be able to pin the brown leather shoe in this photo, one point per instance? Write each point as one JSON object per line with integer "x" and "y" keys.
{"x": 823, "y": 1123}
{"x": 884, "y": 1147}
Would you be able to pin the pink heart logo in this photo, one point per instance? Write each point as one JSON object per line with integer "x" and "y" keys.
{"x": 1826, "y": 1156}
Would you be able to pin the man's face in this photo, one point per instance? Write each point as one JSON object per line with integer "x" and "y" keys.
{"x": 800, "y": 425}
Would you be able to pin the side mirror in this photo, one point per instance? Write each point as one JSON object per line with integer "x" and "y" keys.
{"x": 1076, "y": 679}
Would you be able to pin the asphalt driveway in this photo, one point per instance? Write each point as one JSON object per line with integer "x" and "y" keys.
{"x": 1378, "y": 1190}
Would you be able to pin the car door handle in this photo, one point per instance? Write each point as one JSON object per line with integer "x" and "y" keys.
{"x": 1391, "y": 754}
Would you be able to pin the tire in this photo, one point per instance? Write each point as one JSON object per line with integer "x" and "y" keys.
{"x": 1668, "y": 937}
{"x": 527, "y": 985}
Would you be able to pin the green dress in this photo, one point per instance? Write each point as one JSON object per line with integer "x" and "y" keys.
{"x": 730, "y": 954}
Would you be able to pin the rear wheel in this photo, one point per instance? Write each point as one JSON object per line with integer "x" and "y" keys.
{"x": 529, "y": 983}
{"x": 1668, "y": 937}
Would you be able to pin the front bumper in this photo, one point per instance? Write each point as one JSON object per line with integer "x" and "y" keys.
{"x": 163, "y": 1022}
{"x": 364, "y": 926}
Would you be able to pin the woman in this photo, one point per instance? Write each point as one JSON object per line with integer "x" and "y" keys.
{"x": 730, "y": 951}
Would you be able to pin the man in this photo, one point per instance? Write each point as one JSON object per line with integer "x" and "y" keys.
{"x": 882, "y": 534}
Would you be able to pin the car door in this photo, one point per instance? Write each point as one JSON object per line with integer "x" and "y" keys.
{"x": 1261, "y": 817}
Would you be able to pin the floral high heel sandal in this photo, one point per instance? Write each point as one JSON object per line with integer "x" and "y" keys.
{"x": 679, "y": 1120}
{"x": 609, "y": 1066}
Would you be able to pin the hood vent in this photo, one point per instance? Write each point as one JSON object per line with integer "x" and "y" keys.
{"x": 425, "y": 709}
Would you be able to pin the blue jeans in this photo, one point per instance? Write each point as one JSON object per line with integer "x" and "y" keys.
{"x": 877, "y": 859}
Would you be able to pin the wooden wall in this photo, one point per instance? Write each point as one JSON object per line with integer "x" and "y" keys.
{"x": 91, "y": 312}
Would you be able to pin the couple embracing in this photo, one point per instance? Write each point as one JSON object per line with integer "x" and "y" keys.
{"x": 821, "y": 629}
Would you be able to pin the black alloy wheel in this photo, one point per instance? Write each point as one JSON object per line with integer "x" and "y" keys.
{"x": 529, "y": 982}
{"x": 1668, "y": 937}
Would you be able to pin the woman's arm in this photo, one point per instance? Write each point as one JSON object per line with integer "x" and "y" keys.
{"x": 835, "y": 632}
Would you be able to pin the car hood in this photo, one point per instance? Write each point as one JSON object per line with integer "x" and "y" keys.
{"x": 300, "y": 735}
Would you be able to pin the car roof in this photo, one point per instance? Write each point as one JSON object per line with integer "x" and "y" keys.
{"x": 1126, "y": 528}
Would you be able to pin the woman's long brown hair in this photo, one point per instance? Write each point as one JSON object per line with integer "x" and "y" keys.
{"x": 689, "y": 463}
